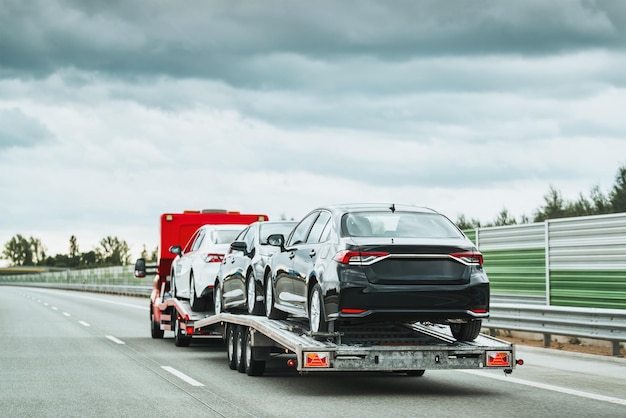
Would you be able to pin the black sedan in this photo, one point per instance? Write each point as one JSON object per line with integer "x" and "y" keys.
{"x": 368, "y": 263}
{"x": 239, "y": 281}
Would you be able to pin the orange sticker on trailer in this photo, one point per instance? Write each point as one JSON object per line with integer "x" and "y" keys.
{"x": 316, "y": 360}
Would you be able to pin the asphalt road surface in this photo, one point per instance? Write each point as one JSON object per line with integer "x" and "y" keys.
{"x": 74, "y": 354}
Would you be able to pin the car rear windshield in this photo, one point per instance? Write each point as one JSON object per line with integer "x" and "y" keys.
{"x": 226, "y": 236}
{"x": 398, "y": 225}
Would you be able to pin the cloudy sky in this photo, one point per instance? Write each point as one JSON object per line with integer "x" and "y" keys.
{"x": 113, "y": 112}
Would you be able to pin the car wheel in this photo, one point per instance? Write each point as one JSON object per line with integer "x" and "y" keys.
{"x": 253, "y": 367}
{"x": 239, "y": 349}
{"x": 155, "y": 327}
{"x": 254, "y": 306}
{"x": 218, "y": 299}
{"x": 173, "y": 284}
{"x": 270, "y": 311}
{"x": 231, "y": 342}
{"x": 197, "y": 304}
{"x": 466, "y": 332}
{"x": 317, "y": 319}
{"x": 180, "y": 340}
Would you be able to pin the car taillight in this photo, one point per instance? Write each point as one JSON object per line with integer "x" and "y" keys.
{"x": 362, "y": 258}
{"x": 469, "y": 258}
{"x": 213, "y": 258}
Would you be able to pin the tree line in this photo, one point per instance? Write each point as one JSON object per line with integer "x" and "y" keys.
{"x": 21, "y": 251}
{"x": 555, "y": 206}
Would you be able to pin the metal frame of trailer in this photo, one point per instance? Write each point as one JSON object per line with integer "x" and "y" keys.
{"x": 411, "y": 348}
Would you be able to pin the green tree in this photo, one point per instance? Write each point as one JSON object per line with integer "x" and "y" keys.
{"x": 37, "y": 250}
{"x": 464, "y": 223}
{"x": 600, "y": 202}
{"x": 617, "y": 195}
{"x": 73, "y": 246}
{"x": 18, "y": 251}
{"x": 504, "y": 218}
{"x": 553, "y": 208}
{"x": 113, "y": 252}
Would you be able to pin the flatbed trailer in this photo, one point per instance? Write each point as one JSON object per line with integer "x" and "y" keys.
{"x": 387, "y": 347}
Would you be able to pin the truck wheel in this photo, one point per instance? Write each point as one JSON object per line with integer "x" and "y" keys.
{"x": 155, "y": 327}
{"x": 317, "y": 319}
{"x": 270, "y": 311}
{"x": 180, "y": 340}
{"x": 239, "y": 349}
{"x": 253, "y": 367}
{"x": 197, "y": 304}
{"x": 466, "y": 332}
{"x": 254, "y": 307}
{"x": 231, "y": 342}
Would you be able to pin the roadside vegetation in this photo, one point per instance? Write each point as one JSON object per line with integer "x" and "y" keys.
{"x": 112, "y": 251}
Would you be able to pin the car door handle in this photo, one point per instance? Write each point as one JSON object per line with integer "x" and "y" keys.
{"x": 312, "y": 253}
{"x": 292, "y": 254}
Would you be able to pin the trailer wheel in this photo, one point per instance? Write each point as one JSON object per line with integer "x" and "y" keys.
{"x": 254, "y": 307}
{"x": 270, "y": 311}
{"x": 466, "y": 332}
{"x": 198, "y": 304}
{"x": 316, "y": 310}
{"x": 231, "y": 342}
{"x": 180, "y": 340}
{"x": 253, "y": 367}
{"x": 239, "y": 349}
{"x": 155, "y": 327}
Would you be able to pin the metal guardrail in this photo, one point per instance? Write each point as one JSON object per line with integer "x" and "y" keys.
{"x": 593, "y": 323}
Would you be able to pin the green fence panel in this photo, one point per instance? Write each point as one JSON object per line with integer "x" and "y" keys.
{"x": 516, "y": 272}
{"x": 591, "y": 288}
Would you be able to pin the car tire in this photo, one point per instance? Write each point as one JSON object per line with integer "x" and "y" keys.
{"x": 231, "y": 345}
{"x": 252, "y": 367}
{"x": 155, "y": 327}
{"x": 467, "y": 331}
{"x": 218, "y": 302}
{"x": 317, "y": 319}
{"x": 254, "y": 307}
{"x": 240, "y": 349}
{"x": 180, "y": 340}
{"x": 270, "y": 310}
{"x": 198, "y": 304}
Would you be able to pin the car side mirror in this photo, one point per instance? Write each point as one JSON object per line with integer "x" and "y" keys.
{"x": 277, "y": 240}
{"x": 239, "y": 246}
{"x": 176, "y": 249}
{"x": 140, "y": 268}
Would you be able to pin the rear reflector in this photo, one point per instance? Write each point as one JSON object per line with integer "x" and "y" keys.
{"x": 352, "y": 311}
{"x": 189, "y": 330}
{"x": 498, "y": 359}
{"x": 316, "y": 359}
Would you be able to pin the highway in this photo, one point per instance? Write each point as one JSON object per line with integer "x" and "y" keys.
{"x": 75, "y": 354}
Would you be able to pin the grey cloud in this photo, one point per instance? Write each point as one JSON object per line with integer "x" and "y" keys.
{"x": 20, "y": 130}
{"x": 215, "y": 39}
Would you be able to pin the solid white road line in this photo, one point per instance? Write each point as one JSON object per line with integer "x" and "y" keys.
{"x": 181, "y": 376}
{"x": 115, "y": 340}
{"x": 553, "y": 388}
{"x": 83, "y": 323}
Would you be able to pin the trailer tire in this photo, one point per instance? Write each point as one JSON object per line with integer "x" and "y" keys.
{"x": 180, "y": 340}
{"x": 467, "y": 331}
{"x": 231, "y": 342}
{"x": 253, "y": 367}
{"x": 317, "y": 318}
{"x": 240, "y": 349}
{"x": 155, "y": 327}
{"x": 270, "y": 311}
{"x": 254, "y": 307}
{"x": 198, "y": 304}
